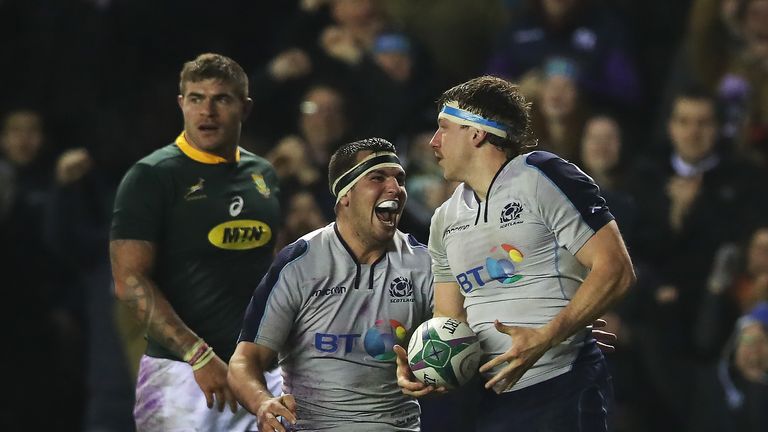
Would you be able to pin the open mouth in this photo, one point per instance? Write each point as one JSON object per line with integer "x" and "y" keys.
{"x": 386, "y": 211}
{"x": 208, "y": 128}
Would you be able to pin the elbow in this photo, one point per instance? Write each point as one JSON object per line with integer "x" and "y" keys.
{"x": 626, "y": 279}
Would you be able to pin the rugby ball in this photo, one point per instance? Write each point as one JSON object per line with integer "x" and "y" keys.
{"x": 444, "y": 352}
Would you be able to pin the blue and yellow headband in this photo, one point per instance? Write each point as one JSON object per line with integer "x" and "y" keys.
{"x": 452, "y": 112}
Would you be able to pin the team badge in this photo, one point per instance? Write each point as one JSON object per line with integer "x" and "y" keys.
{"x": 192, "y": 191}
{"x": 261, "y": 185}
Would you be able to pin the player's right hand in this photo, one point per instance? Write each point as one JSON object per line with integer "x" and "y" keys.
{"x": 267, "y": 415}
{"x": 408, "y": 383}
{"x": 212, "y": 379}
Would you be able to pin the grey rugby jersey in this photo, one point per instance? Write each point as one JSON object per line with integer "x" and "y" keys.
{"x": 513, "y": 254}
{"x": 334, "y": 321}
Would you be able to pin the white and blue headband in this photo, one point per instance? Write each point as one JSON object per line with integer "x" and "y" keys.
{"x": 374, "y": 161}
{"x": 452, "y": 112}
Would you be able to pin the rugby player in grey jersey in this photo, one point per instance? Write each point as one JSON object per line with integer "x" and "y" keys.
{"x": 333, "y": 305}
{"x": 527, "y": 252}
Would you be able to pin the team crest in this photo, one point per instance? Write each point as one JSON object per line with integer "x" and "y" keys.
{"x": 510, "y": 215}
{"x": 401, "y": 290}
{"x": 261, "y": 185}
{"x": 192, "y": 191}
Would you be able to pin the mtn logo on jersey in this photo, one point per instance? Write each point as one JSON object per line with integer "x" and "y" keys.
{"x": 240, "y": 234}
{"x": 510, "y": 214}
{"x": 401, "y": 290}
{"x": 502, "y": 270}
{"x": 261, "y": 185}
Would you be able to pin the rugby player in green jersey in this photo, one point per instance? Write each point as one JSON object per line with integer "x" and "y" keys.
{"x": 192, "y": 232}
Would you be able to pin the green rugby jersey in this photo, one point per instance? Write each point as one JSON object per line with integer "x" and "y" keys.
{"x": 214, "y": 225}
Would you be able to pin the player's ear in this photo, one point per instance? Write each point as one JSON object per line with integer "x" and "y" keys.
{"x": 247, "y": 107}
{"x": 344, "y": 201}
{"x": 478, "y": 136}
{"x": 180, "y": 100}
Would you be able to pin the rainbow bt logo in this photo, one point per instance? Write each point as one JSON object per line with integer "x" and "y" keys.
{"x": 503, "y": 270}
{"x": 382, "y": 337}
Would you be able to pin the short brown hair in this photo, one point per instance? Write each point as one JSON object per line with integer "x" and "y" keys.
{"x": 214, "y": 66}
{"x": 501, "y": 101}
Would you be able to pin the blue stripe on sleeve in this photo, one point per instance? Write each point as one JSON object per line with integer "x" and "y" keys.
{"x": 580, "y": 190}
{"x": 258, "y": 305}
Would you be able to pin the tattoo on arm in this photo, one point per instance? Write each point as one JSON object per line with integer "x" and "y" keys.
{"x": 132, "y": 262}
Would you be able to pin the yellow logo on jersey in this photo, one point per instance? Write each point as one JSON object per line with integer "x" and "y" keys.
{"x": 240, "y": 234}
{"x": 261, "y": 185}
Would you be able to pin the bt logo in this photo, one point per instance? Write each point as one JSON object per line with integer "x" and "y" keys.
{"x": 377, "y": 342}
{"x": 330, "y": 343}
{"x": 502, "y": 270}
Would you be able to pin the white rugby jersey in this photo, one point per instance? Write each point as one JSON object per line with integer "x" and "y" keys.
{"x": 513, "y": 254}
{"x": 334, "y": 321}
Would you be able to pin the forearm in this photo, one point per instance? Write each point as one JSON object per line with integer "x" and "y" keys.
{"x": 599, "y": 291}
{"x": 449, "y": 302}
{"x": 132, "y": 264}
{"x": 247, "y": 382}
{"x": 155, "y": 314}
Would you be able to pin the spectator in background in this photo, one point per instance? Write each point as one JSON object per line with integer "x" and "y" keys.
{"x": 77, "y": 229}
{"x": 44, "y": 321}
{"x": 732, "y": 394}
{"x": 302, "y": 215}
{"x": 726, "y": 52}
{"x": 301, "y": 158}
{"x": 455, "y": 55}
{"x": 588, "y": 32}
{"x": 559, "y": 112}
{"x": 689, "y": 199}
{"x": 327, "y": 42}
{"x": 602, "y": 156}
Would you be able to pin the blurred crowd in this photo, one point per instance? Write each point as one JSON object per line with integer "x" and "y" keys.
{"x": 663, "y": 103}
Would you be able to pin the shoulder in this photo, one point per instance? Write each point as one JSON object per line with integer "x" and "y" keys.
{"x": 407, "y": 245}
{"x": 301, "y": 247}
{"x": 554, "y": 168}
{"x": 251, "y": 158}
{"x": 161, "y": 157}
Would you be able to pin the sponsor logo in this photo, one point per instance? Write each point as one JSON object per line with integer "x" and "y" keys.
{"x": 240, "y": 234}
{"x": 382, "y": 337}
{"x": 331, "y": 343}
{"x": 194, "y": 191}
{"x": 510, "y": 214}
{"x": 502, "y": 270}
{"x": 236, "y": 206}
{"x": 261, "y": 185}
{"x": 455, "y": 229}
{"x": 401, "y": 290}
{"x": 328, "y": 291}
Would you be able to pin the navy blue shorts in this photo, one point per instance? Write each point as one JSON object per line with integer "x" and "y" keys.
{"x": 576, "y": 401}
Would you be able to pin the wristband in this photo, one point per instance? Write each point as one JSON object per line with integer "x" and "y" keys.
{"x": 194, "y": 353}
{"x": 204, "y": 359}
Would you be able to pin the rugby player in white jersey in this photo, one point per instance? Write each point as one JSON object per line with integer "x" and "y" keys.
{"x": 333, "y": 305}
{"x": 527, "y": 252}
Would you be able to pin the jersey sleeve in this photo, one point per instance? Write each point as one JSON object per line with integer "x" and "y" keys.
{"x": 569, "y": 201}
{"x": 275, "y": 302}
{"x": 139, "y": 205}
{"x": 440, "y": 267}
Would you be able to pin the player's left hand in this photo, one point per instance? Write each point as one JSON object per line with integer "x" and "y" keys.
{"x": 606, "y": 340}
{"x": 408, "y": 383}
{"x": 528, "y": 345}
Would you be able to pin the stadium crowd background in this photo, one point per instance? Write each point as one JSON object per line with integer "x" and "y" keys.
{"x": 89, "y": 87}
